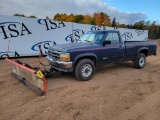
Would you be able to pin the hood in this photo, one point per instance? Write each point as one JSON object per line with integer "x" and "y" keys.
{"x": 69, "y": 46}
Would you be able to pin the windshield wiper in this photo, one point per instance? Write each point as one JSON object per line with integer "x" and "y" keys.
{"x": 89, "y": 41}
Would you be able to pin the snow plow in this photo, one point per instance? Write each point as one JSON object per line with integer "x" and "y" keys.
{"x": 31, "y": 77}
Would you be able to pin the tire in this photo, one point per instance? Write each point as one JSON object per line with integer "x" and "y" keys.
{"x": 140, "y": 61}
{"x": 84, "y": 69}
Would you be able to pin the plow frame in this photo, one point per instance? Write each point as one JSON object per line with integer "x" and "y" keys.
{"x": 21, "y": 71}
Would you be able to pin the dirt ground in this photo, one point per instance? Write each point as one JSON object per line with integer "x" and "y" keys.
{"x": 116, "y": 92}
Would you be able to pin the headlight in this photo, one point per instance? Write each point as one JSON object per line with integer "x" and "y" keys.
{"x": 65, "y": 57}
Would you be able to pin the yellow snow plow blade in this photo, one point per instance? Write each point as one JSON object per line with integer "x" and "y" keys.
{"x": 35, "y": 80}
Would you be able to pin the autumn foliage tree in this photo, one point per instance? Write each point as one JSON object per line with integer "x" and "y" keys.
{"x": 102, "y": 19}
{"x": 95, "y": 19}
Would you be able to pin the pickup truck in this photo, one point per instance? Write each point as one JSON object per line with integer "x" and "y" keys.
{"x": 97, "y": 48}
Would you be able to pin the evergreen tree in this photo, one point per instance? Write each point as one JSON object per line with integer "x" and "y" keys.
{"x": 114, "y": 22}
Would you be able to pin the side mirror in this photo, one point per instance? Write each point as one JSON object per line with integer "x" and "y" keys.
{"x": 106, "y": 42}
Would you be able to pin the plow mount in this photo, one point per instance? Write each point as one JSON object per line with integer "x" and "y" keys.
{"x": 30, "y": 77}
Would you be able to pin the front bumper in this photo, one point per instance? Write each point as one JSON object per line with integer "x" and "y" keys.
{"x": 60, "y": 65}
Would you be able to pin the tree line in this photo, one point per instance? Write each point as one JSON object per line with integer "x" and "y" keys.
{"x": 22, "y": 15}
{"x": 102, "y": 19}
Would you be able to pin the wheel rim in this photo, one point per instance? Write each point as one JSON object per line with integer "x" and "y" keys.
{"x": 141, "y": 61}
{"x": 86, "y": 70}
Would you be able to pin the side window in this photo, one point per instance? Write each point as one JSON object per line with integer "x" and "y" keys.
{"x": 113, "y": 37}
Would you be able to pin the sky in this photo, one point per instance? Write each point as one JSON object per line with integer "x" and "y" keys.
{"x": 125, "y": 11}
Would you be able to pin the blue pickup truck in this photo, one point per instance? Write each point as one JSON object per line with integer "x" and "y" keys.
{"x": 97, "y": 48}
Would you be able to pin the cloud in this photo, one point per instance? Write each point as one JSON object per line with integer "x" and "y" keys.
{"x": 43, "y": 8}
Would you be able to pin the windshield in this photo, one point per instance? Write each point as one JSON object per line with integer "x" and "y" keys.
{"x": 92, "y": 37}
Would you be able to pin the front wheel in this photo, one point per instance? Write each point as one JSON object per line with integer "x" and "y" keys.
{"x": 84, "y": 70}
{"x": 140, "y": 61}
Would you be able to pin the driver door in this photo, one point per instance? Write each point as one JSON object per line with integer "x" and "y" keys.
{"x": 113, "y": 52}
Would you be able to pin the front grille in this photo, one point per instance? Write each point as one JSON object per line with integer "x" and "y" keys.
{"x": 54, "y": 54}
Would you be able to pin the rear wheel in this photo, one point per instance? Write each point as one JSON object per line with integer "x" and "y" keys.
{"x": 140, "y": 61}
{"x": 84, "y": 69}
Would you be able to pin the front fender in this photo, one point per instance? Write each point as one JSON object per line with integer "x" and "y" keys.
{"x": 83, "y": 56}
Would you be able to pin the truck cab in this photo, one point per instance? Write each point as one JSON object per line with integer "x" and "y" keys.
{"x": 96, "y": 48}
